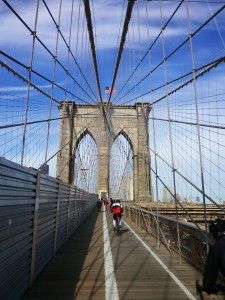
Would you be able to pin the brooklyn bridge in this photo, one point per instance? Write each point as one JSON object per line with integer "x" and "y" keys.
{"x": 108, "y": 100}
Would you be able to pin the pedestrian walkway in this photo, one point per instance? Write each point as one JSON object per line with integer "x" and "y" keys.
{"x": 97, "y": 264}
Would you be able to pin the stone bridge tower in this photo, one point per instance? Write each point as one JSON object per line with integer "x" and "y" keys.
{"x": 77, "y": 120}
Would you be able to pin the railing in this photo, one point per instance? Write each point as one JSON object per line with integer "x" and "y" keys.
{"x": 190, "y": 242}
{"x": 38, "y": 214}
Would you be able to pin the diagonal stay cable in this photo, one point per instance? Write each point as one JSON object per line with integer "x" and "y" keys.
{"x": 4, "y": 65}
{"x": 187, "y": 180}
{"x": 48, "y": 51}
{"x": 150, "y": 47}
{"x": 39, "y": 88}
{"x": 202, "y": 70}
{"x": 122, "y": 42}
{"x": 170, "y": 54}
{"x": 68, "y": 47}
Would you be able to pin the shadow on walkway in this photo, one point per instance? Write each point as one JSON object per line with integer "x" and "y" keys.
{"x": 74, "y": 270}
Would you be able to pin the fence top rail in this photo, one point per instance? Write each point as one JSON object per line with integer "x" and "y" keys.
{"x": 184, "y": 226}
{"x": 14, "y": 192}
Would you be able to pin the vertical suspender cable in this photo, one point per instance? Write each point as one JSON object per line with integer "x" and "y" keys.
{"x": 154, "y": 131}
{"x": 69, "y": 49}
{"x": 136, "y": 181}
{"x": 28, "y": 84}
{"x": 144, "y": 124}
{"x": 53, "y": 80}
{"x": 197, "y": 121}
{"x": 170, "y": 130}
{"x": 77, "y": 40}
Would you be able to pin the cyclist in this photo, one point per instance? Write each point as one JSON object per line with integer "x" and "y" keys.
{"x": 116, "y": 209}
{"x": 216, "y": 258}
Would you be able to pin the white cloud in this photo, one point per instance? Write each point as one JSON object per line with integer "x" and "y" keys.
{"x": 107, "y": 17}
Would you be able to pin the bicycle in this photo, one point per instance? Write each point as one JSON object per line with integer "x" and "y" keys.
{"x": 118, "y": 226}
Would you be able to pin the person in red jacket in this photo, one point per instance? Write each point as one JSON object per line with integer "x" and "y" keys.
{"x": 116, "y": 209}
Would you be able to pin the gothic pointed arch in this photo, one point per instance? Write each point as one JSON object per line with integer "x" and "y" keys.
{"x": 126, "y": 136}
{"x": 121, "y": 167}
{"x": 86, "y": 162}
{"x": 130, "y": 121}
{"x": 82, "y": 135}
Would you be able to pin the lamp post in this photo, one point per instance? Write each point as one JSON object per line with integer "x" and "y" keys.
{"x": 84, "y": 171}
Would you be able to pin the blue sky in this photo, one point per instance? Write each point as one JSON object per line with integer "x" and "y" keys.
{"x": 148, "y": 17}
{"x": 108, "y": 18}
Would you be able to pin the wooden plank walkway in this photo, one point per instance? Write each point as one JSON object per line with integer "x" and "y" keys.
{"x": 78, "y": 270}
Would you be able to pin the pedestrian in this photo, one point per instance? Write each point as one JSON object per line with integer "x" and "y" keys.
{"x": 215, "y": 261}
{"x": 99, "y": 205}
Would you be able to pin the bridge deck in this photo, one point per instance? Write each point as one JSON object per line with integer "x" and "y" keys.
{"x": 78, "y": 270}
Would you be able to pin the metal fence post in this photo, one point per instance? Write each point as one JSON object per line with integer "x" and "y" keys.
{"x": 57, "y": 219}
{"x": 139, "y": 217}
{"x": 68, "y": 215}
{"x": 35, "y": 224}
{"x": 75, "y": 208}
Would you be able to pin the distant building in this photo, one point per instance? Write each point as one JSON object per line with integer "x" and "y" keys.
{"x": 126, "y": 187}
{"x": 44, "y": 168}
{"x": 152, "y": 192}
{"x": 167, "y": 197}
{"x": 190, "y": 199}
{"x": 178, "y": 198}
